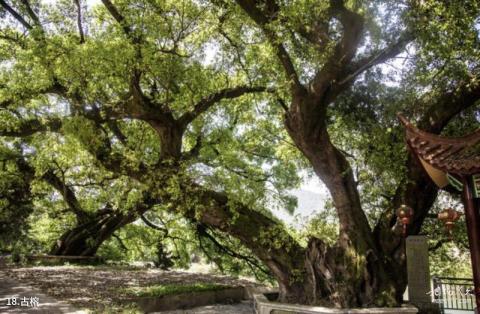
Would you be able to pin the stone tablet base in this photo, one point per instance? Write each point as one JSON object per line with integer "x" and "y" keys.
{"x": 264, "y": 306}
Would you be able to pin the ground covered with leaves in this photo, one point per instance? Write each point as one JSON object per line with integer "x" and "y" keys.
{"x": 105, "y": 289}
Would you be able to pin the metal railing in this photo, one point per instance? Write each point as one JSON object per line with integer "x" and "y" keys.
{"x": 454, "y": 293}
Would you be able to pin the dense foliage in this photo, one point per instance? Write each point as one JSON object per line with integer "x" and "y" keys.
{"x": 155, "y": 130}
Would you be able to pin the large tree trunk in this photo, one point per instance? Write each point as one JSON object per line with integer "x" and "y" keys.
{"x": 266, "y": 237}
{"x": 365, "y": 267}
{"x": 86, "y": 237}
{"x": 349, "y": 279}
{"x": 354, "y": 272}
{"x": 334, "y": 276}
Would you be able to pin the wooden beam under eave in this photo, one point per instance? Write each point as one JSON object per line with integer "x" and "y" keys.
{"x": 437, "y": 176}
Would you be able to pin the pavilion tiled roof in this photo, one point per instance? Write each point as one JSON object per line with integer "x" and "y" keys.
{"x": 459, "y": 155}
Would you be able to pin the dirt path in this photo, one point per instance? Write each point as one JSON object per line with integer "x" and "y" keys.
{"x": 102, "y": 289}
{"x": 241, "y": 308}
{"x": 28, "y": 299}
{"x": 10, "y": 288}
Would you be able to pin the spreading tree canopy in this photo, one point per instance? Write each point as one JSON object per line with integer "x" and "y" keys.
{"x": 209, "y": 110}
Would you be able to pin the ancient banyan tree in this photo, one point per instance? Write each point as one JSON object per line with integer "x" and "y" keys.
{"x": 454, "y": 164}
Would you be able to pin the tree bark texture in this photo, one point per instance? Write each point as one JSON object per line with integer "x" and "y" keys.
{"x": 86, "y": 237}
{"x": 366, "y": 266}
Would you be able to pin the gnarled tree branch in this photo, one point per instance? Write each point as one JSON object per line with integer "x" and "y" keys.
{"x": 67, "y": 193}
{"x": 378, "y": 57}
{"x": 32, "y": 126}
{"x": 79, "y": 21}
{"x": 15, "y": 14}
{"x": 205, "y": 103}
{"x": 31, "y": 13}
{"x": 153, "y": 225}
{"x": 263, "y": 18}
{"x": 118, "y": 17}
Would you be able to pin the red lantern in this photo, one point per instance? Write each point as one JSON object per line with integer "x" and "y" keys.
{"x": 405, "y": 215}
{"x": 449, "y": 216}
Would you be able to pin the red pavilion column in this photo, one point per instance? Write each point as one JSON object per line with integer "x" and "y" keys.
{"x": 472, "y": 216}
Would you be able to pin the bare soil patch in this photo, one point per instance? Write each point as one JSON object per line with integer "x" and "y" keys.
{"x": 101, "y": 288}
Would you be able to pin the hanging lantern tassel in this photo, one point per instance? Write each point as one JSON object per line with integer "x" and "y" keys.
{"x": 405, "y": 215}
{"x": 449, "y": 216}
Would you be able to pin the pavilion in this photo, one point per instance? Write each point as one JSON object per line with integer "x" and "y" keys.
{"x": 454, "y": 164}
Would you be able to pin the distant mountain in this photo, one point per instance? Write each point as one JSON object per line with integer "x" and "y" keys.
{"x": 308, "y": 203}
